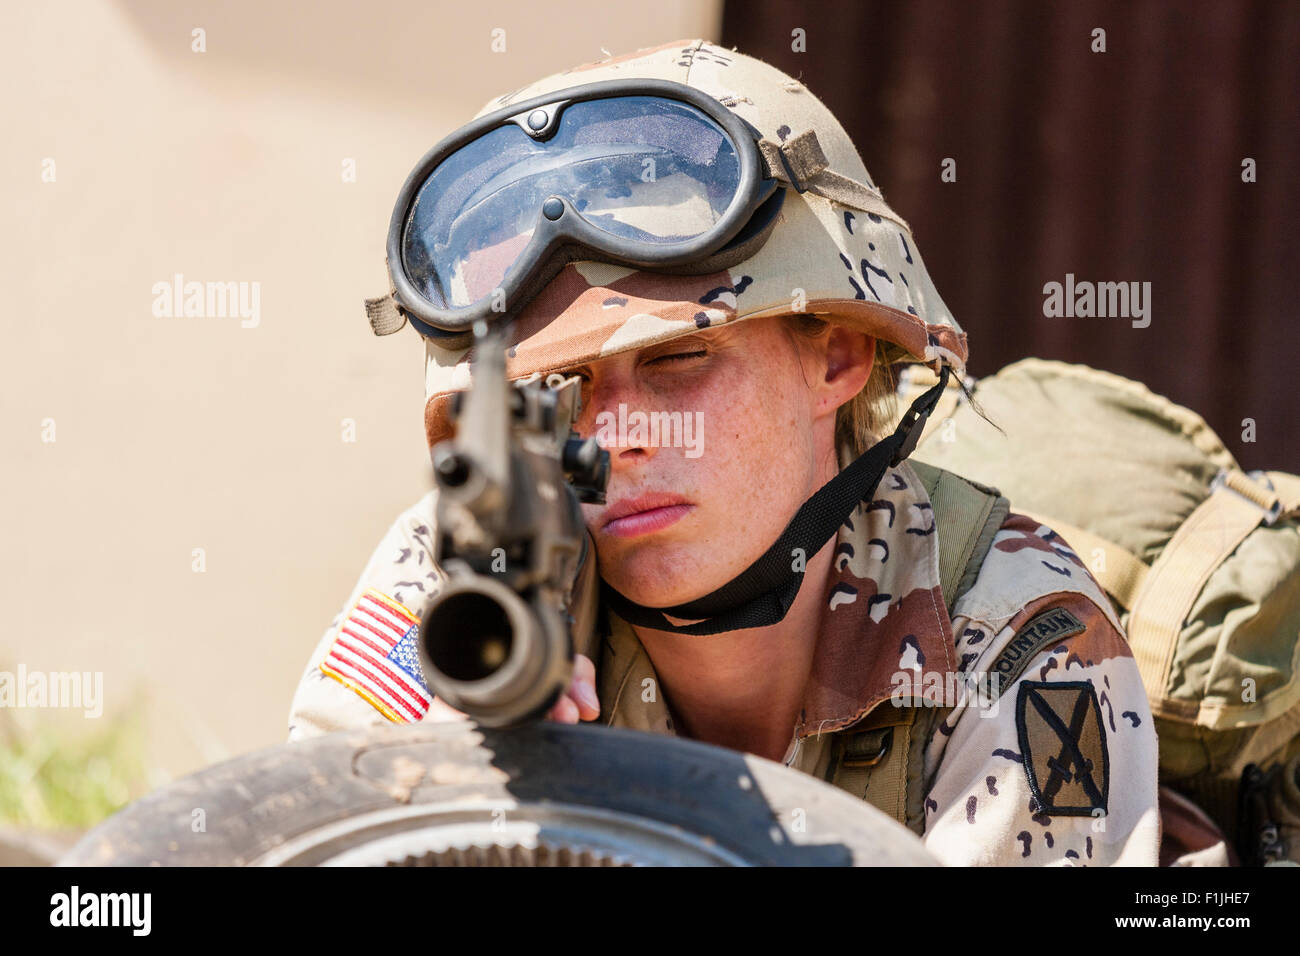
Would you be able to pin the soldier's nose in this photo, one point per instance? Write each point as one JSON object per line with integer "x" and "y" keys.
{"x": 626, "y": 446}
{"x": 621, "y": 430}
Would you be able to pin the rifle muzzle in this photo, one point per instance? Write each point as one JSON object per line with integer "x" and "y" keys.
{"x": 488, "y": 652}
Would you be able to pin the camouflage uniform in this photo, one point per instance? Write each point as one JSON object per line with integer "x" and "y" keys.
{"x": 883, "y": 614}
{"x": 886, "y": 633}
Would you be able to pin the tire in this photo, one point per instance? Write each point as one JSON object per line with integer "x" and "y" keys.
{"x": 458, "y": 794}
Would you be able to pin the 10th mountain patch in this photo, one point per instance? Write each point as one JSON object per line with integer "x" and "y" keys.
{"x": 1064, "y": 746}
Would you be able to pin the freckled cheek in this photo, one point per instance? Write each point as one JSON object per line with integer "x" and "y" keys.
{"x": 751, "y": 476}
{"x": 642, "y": 396}
{"x": 686, "y": 393}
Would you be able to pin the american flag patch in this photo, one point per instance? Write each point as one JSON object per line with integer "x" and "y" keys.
{"x": 374, "y": 654}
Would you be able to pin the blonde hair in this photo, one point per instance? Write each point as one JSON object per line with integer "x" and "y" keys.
{"x": 861, "y": 421}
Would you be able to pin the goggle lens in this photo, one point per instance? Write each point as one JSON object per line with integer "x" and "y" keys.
{"x": 642, "y": 168}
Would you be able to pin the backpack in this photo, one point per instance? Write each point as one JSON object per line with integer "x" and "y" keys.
{"x": 1200, "y": 559}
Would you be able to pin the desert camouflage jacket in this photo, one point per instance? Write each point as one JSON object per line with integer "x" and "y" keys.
{"x": 1059, "y": 770}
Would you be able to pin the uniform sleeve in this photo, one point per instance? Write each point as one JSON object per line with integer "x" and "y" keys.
{"x": 398, "y": 581}
{"x": 1059, "y": 769}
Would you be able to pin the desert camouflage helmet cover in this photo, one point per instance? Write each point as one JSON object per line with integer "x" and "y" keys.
{"x": 856, "y": 267}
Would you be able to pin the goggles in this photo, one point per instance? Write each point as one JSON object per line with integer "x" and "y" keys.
{"x": 649, "y": 174}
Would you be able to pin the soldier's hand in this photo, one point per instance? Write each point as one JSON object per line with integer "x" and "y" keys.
{"x": 579, "y": 702}
{"x": 440, "y": 711}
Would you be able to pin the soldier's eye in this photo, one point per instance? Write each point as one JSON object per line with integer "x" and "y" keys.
{"x": 680, "y": 356}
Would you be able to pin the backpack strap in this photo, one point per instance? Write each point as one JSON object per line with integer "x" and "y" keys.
{"x": 967, "y": 515}
{"x": 1160, "y": 596}
{"x": 1287, "y": 487}
{"x": 1237, "y": 505}
{"x": 1120, "y": 572}
{"x": 882, "y": 758}
{"x": 1123, "y": 574}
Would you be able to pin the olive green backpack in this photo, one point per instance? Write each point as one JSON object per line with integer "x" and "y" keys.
{"x": 1201, "y": 560}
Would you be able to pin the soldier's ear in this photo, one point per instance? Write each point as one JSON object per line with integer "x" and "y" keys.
{"x": 850, "y": 356}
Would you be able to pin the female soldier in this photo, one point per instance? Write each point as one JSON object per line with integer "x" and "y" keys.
{"x": 948, "y": 660}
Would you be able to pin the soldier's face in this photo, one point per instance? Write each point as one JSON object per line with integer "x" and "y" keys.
{"x": 715, "y": 440}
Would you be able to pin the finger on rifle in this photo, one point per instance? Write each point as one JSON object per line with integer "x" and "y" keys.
{"x": 582, "y": 689}
{"x": 440, "y": 711}
{"x": 565, "y": 711}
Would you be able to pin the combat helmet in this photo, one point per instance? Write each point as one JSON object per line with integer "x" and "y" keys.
{"x": 813, "y": 235}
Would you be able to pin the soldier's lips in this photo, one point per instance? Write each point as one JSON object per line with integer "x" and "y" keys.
{"x": 644, "y": 514}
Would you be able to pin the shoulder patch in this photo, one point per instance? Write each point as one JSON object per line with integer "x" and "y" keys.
{"x": 374, "y": 654}
{"x": 1048, "y": 627}
{"x": 1063, "y": 743}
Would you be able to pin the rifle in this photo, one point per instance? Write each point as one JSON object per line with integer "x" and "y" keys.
{"x": 497, "y": 642}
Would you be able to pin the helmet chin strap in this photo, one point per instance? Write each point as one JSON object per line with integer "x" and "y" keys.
{"x": 762, "y": 594}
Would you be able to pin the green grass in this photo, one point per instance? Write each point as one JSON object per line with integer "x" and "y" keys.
{"x": 51, "y": 779}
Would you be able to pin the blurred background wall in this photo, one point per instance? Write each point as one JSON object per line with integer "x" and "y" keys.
{"x": 183, "y": 508}
{"x": 176, "y": 434}
{"x": 1117, "y": 166}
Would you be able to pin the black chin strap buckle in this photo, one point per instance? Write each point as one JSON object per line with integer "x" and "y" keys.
{"x": 909, "y": 430}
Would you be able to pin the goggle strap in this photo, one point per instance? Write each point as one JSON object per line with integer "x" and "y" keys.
{"x": 801, "y": 157}
{"x": 801, "y": 162}
{"x": 384, "y": 316}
